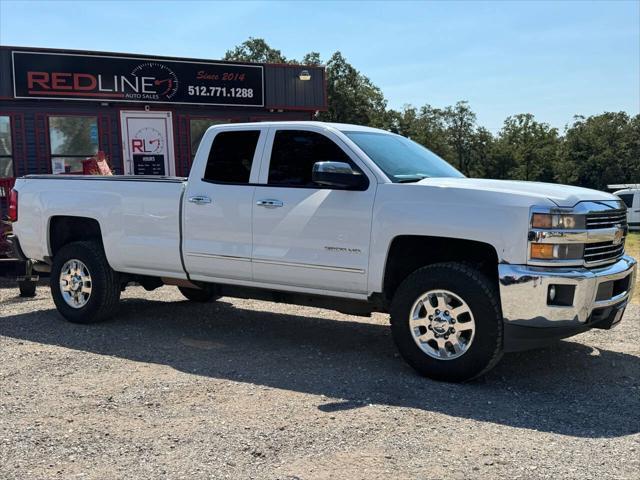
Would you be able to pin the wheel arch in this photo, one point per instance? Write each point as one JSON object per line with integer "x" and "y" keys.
{"x": 407, "y": 253}
{"x": 64, "y": 229}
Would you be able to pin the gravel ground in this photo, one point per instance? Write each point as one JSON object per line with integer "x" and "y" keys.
{"x": 246, "y": 389}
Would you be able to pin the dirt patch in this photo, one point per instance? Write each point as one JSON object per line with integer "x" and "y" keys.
{"x": 247, "y": 389}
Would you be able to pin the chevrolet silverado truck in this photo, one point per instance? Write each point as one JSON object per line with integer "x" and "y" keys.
{"x": 345, "y": 217}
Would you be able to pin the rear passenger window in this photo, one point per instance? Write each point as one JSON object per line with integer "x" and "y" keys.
{"x": 295, "y": 151}
{"x": 231, "y": 156}
{"x": 627, "y": 198}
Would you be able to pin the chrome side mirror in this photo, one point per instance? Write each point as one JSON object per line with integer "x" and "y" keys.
{"x": 338, "y": 175}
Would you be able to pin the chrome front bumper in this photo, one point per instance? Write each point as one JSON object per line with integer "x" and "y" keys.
{"x": 524, "y": 292}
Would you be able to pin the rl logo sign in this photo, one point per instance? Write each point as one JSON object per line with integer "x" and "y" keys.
{"x": 147, "y": 140}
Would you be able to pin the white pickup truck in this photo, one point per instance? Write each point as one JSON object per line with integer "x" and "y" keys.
{"x": 344, "y": 217}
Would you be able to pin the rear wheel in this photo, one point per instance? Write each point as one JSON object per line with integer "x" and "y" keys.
{"x": 446, "y": 322}
{"x": 84, "y": 287}
{"x": 202, "y": 295}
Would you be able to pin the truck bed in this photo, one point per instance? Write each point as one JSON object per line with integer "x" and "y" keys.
{"x": 139, "y": 217}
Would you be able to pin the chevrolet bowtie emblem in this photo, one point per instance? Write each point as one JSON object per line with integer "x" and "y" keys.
{"x": 619, "y": 235}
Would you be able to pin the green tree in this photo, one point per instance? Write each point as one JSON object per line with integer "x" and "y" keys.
{"x": 311, "y": 58}
{"x": 352, "y": 97}
{"x": 593, "y": 152}
{"x": 460, "y": 123}
{"x": 426, "y": 126}
{"x": 602, "y": 149}
{"x": 531, "y": 147}
{"x": 482, "y": 149}
{"x": 255, "y": 50}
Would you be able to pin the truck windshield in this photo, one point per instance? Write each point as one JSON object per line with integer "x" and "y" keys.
{"x": 401, "y": 159}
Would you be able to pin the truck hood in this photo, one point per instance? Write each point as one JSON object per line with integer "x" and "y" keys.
{"x": 561, "y": 195}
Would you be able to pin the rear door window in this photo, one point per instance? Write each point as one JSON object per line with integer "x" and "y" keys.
{"x": 231, "y": 156}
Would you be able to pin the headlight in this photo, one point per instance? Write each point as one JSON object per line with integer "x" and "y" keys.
{"x": 557, "y": 221}
{"x": 549, "y": 251}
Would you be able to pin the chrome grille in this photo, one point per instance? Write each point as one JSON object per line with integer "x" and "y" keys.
{"x": 602, "y": 252}
{"x": 606, "y": 219}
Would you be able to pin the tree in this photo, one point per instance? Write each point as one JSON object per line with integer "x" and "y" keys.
{"x": 603, "y": 149}
{"x": 352, "y": 97}
{"x": 593, "y": 152}
{"x": 460, "y": 124}
{"x": 312, "y": 58}
{"x": 482, "y": 149}
{"x": 255, "y": 50}
{"x": 531, "y": 147}
{"x": 425, "y": 126}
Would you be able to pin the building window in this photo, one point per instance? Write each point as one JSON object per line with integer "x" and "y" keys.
{"x": 73, "y": 139}
{"x": 6, "y": 152}
{"x": 231, "y": 156}
{"x": 197, "y": 127}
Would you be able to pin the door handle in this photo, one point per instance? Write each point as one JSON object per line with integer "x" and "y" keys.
{"x": 200, "y": 199}
{"x": 270, "y": 203}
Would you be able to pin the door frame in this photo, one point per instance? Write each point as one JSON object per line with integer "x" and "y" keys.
{"x": 167, "y": 116}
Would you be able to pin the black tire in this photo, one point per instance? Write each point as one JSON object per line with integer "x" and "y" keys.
{"x": 201, "y": 295}
{"x": 103, "y": 301}
{"x": 27, "y": 288}
{"x": 481, "y": 296}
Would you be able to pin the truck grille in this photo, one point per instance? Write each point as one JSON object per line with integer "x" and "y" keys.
{"x": 605, "y": 252}
{"x": 606, "y": 219}
{"x": 602, "y": 252}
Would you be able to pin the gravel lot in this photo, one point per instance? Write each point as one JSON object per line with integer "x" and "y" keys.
{"x": 245, "y": 389}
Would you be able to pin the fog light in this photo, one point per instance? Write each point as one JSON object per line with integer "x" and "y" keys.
{"x": 561, "y": 295}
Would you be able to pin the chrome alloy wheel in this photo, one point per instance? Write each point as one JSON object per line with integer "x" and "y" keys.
{"x": 442, "y": 324}
{"x": 75, "y": 283}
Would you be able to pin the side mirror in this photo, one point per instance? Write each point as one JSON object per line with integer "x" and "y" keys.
{"x": 338, "y": 175}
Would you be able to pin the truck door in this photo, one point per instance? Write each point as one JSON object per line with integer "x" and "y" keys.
{"x": 218, "y": 205}
{"x": 305, "y": 234}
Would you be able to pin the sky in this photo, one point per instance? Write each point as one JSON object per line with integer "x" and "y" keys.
{"x": 552, "y": 59}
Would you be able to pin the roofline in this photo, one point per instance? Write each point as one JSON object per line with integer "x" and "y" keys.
{"x": 342, "y": 127}
{"x": 156, "y": 57}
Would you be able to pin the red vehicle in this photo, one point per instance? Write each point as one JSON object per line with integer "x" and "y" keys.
{"x": 26, "y": 280}
{"x": 6, "y": 184}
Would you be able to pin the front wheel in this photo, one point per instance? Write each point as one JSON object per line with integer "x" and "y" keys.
{"x": 84, "y": 287}
{"x": 446, "y": 322}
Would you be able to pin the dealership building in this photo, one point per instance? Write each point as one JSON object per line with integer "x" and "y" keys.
{"x": 147, "y": 114}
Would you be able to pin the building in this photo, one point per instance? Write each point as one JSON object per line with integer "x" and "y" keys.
{"x": 147, "y": 114}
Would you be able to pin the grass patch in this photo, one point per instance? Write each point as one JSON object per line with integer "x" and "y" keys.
{"x": 633, "y": 249}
